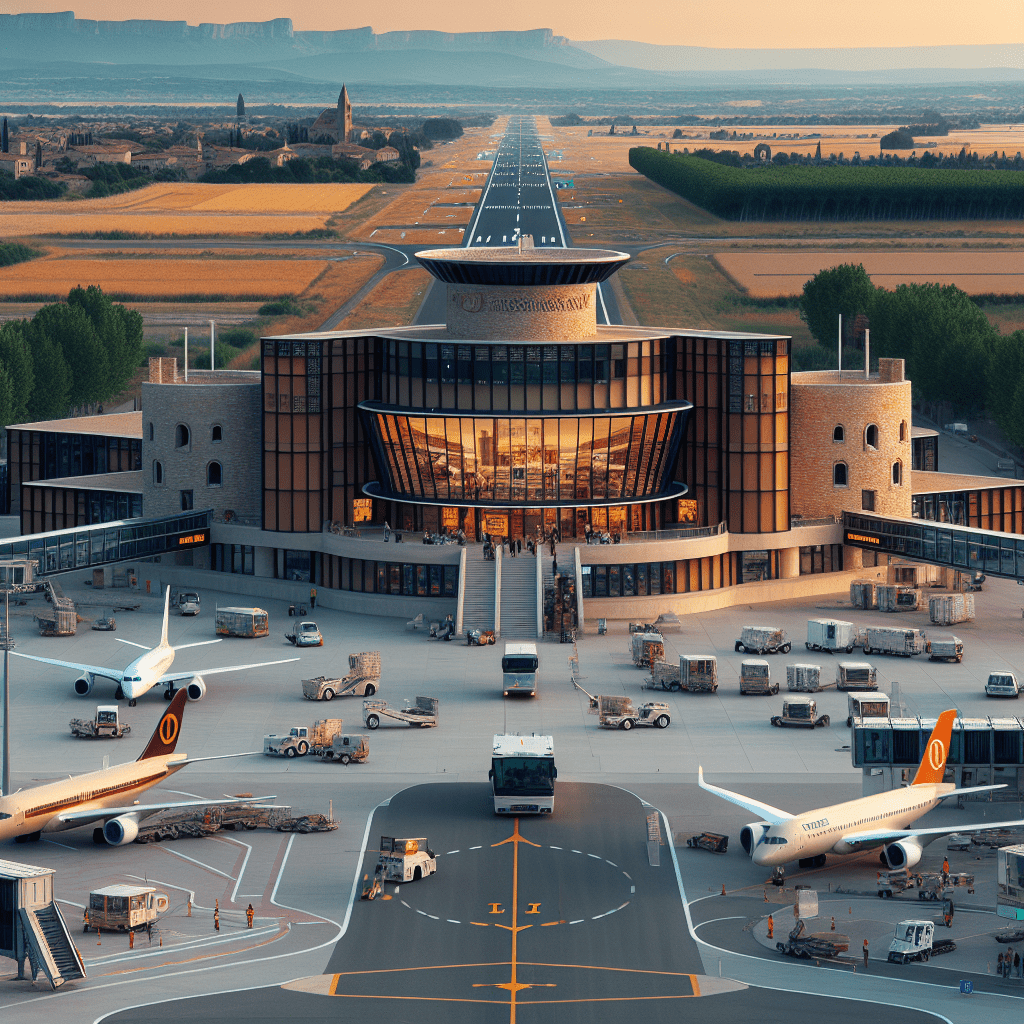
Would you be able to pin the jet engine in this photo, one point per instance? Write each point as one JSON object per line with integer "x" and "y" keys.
{"x": 904, "y": 854}
{"x": 83, "y": 686}
{"x": 196, "y": 690}
{"x": 751, "y": 835}
{"x": 121, "y": 831}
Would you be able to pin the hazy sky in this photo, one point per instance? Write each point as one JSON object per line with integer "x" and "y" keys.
{"x": 740, "y": 23}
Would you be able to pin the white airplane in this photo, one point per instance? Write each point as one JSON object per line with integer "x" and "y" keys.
{"x": 148, "y": 669}
{"x": 109, "y": 795}
{"x": 858, "y": 825}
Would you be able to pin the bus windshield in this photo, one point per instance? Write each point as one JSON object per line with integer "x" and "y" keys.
{"x": 519, "y": 663}
{"x": 523, "y": 775}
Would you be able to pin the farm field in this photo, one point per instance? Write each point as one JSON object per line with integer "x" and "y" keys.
{"x": 766, "y": 274}
{"x": 393, "y": 303}
{"x": 188, "y": 209}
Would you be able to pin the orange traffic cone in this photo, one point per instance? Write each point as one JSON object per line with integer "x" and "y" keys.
{"x": 723, "y": 888}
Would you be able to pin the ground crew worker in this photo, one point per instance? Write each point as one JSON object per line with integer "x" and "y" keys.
{"x": 249, "y": 914}
{"x": 216, "y": 920}
{"x": 945, "y": 870}
{"x": 85, "y": 920}
{"x": 312, "y": 597}
{"x": 131, "y": 939}
{"x": 865, "y": 954}
{"x": 771, "y": 926}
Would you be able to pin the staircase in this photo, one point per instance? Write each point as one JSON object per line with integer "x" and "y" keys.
{"x": 478, "y": 590}
{"x": 519, "y": 598}
{"x": 50, "y": 947}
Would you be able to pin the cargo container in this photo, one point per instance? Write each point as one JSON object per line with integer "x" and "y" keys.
{"x": 945, "y": 647}
{"x": 856, "y": 675}
{"x": 898, "y": 599}
{"x": 756, "y": 677}
{"x": 949, "y": 609}
{"x": 763, "y": 640}
{"x": 863, "y": 594}
{"x": 698, "y": 673}
{"x": 805, "y": 678}
{"x": 830, "y": 635}
{"x": 905, "y": 643}
{"x": 875, "y": 706}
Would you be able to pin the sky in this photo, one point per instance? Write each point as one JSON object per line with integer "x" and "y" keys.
{"x": 739, "y": 23}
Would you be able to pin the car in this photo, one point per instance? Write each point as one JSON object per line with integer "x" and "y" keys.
{"x": 188, "y": 603}
{"x": 306, "y": 634}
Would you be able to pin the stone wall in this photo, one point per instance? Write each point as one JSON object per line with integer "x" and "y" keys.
{"x": 819, "y": 404}
{"x": 528, "y": 313}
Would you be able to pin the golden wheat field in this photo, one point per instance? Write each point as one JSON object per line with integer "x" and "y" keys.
{"x": 160, "y": 277}
{"x": 770, "y": 274}
{"x": 188, "y": 208}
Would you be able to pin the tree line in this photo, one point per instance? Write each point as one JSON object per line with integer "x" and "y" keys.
{"x": 70, "y": 354}
{"x": 834, "y": 193}
{"x": 954, "y": 356}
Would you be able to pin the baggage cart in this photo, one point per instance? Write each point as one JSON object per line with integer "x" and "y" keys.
{"x": 893, "y": 598}
{"x": 856, "y": 675}
{"x": 904, "y": 643}
{"x": 756, "y": 677}
{"x": 711, "y": 841}
{"x": 664, "y": 676}
{"x": 945, "y": 647}
{"x": 646, "y": 649}
{"x": 806, "y": 679}
{"x": 763, "y": 640}
{"x": 105, "y": 724}
{"x": 892, "y": 883}
{"x": 808, "y": 946}
{"x": 949, "y": 609}
{"x": 698, "y": 673}
{"x": 800, "y": 712}
{"x": 423, "y": 714}
{"x": 346, "y": 749}
{"x": 830, "y": 635}
{"x": 619, "y": 713}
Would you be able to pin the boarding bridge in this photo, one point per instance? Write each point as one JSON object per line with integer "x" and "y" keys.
{"x": 88, "y": 547}
{"x": 32, "y": 928}
{"x": 982, "y": 752}
{"x": 965, "y": 548}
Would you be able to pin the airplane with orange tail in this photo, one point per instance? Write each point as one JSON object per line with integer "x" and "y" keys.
{"x": 857, "y": 825}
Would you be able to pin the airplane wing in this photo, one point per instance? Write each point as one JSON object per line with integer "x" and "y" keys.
{"x": 201, "y": 643}
{"x": 181, "y": 762}
{"x": 766, "y": 811}
{"x": 215, "y": 671}
{"x": 100, "y": 670}
{"x": 972, "y": 789}
{"x": 104, "y": 813}
{"x": 893, "y": 835}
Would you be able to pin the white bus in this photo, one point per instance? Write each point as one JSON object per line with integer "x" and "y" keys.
{"x": 242, "y": 622}
{"x": 519, "y": 669}
{"x": 523, "y": 774}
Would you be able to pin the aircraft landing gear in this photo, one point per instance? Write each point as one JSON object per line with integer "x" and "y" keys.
{"x": 97, "y": 837}
{"x": 169, "y": 693}
{"x": 29, "y": 837}
{"x": 119, "y": 693}
{"x": 778, "y": 876}
{"x": 132, "y": 702}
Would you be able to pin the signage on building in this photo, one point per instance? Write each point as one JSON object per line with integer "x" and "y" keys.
{"x": 496, "y": 526}
{"x": 189, "y": 540}
{"x": 362, "y": 510}
{"x": 450, "y": 518}
{"x": 687, "y": 510}
{"x": 867, "y": 539}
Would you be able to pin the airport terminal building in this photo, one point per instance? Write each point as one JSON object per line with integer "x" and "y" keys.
{"x": 715, "y": 473}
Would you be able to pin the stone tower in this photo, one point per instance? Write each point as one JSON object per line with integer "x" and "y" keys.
{"x": 344, "y": 115}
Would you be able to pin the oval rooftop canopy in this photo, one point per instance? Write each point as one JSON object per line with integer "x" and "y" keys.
{"x": 510, "y": 265}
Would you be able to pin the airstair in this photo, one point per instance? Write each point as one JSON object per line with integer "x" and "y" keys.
{"x": 49, "y": 945}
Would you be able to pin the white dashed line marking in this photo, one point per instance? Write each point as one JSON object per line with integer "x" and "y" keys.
{"x": 628, "y": 875}
{"x": 580, "y": 921}
{"x": 595, "y": 856}
{"x": 580, "y": 852}
{"x": 450, "y": 852}
{"x": 451, "y": 920}
{"x": 404, "y": 904}
{"x": 476, "y": 847}
{"x": 554, "y": 847}
{"x": 613, "y": 864}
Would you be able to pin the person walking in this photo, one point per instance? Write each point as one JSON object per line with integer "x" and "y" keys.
{"x": 865, "y": 954}
{"x": 249, "y": 914}
{"x": 216, "y": 920}
{"x": 312, "y": 597}
{"x": 387, "y": 531}
{"x": 1016, "y": 964}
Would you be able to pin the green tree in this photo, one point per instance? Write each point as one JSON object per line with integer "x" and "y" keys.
{"x": 442, "y": 128}
{"x": 51, "y": 395}
{"x": 7, "y": 402}
{"x": 70, "y": 328}
{"x": 1005, "y": 379}
{"x": 17, "y": 361}
{"x": 845, "y": 290}
{"x": 120, "y": 331}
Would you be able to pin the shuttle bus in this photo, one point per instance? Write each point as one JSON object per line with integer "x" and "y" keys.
{"x": 523, "y": 774}
{"x": 519, "y": 669}
{"x": 242, "y": 622}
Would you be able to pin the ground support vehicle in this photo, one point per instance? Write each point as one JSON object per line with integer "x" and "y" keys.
{"x": 949, "y": 609}
{"x": 424, "y": 713}
{"x": 520, "y": 670}
{"x": 945, "y": 647}
{"x": 763, "y": 640}
{"x": 892, "y": 883}
{"x": 523, "y": 773}
{"x": 856, "y": 675}
{"x": 619, "y": 713}
{"x": 124, "y": 908}
{"x": 647, "y": 649}
{"x": 188, "y": 602}
{"x": 664, "y": 676}
{"x": 800, "y": 711}
{"x": 305, "y": 634}
{"x": 362, "y": 680}
{"x": 201, "y": 821}
{"x": 1002, "y": 684}
{"x": 400, "y": 860}
{"x": 247, "y": 622}
{"x": 108, "y": 624}
{"x": 698, "y": 673}
{"x": 905, "y": 643}
{"x": 480, "y": 637}
{"x": 808, "y": 946}
{"x": 347, "y": 749}
{"x": 105, "y": 724}
{"x": 875, "y": 706}
{"x": 755, "y": 677}
{"x": 830, "y": 635}
{"x": 709, "y": 841}
{"x": 300, "y": 740}
{"x": 307, "y": 823}
{"x": 931, "y": 885}
{"x": 806, "y": 679}
{"x": 915, "y": 940}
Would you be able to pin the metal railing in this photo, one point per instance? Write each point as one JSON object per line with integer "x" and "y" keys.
{"x": 795, "y": 522}
{"x": 644, "y": 536}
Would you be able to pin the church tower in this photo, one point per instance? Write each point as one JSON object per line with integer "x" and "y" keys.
{"x": 344, "y": 116}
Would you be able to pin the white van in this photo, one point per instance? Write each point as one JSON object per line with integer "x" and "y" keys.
{"x": 519, "y": 669}
{"x": 1002, "y": 684}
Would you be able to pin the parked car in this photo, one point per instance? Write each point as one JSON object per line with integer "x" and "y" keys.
{"x": 305, "y": 634}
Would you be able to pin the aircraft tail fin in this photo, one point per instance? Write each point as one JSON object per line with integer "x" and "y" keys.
{"x": 933, "y": 764}
{"x": 165, "y": 736}
{"x": 164, "y": 642}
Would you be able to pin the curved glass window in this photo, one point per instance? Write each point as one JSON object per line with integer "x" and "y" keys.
{"x": 555, "y": 460}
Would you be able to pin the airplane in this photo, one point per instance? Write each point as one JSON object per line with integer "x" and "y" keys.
{"x": 109, "y": 795}
{"x": 857, "y": 825}
{"x": 148, "y": 669}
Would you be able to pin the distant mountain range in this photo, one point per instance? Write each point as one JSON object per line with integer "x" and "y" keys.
{"x": 273, "y": 50}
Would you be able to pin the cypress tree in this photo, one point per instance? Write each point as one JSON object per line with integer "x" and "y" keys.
{"x": 4, "y": 140}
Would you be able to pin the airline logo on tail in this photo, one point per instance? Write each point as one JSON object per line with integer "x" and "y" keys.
{"x": 933, "y": 764}
{"x": 165, "y": 736}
